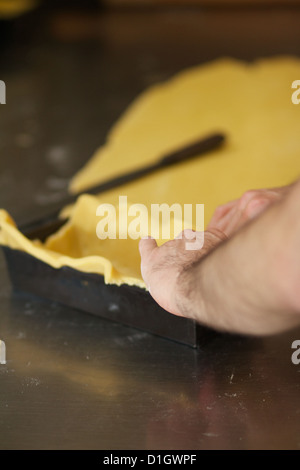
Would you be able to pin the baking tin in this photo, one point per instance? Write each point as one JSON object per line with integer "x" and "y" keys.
{"x": 129, "y": 305}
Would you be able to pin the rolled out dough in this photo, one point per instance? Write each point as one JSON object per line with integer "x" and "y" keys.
{"x": 250, "y": 103}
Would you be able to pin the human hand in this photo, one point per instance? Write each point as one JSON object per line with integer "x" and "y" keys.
{"x": 211, "y": 284}
{"x": 162, "y": 266}
{"x": 230, "y": 217}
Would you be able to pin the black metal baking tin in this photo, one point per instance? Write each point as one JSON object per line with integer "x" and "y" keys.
{"x": 130, "y": 305}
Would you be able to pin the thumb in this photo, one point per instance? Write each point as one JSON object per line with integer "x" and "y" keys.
{"x": 146, "y": 246}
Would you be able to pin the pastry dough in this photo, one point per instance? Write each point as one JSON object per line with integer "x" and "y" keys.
{"x": 250, "y": 103}
{"x": 10, "y": 9}
{"x": 76, "y": 245}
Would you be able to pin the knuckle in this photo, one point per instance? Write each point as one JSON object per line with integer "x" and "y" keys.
{"x": 219, "y": 209}
{"x": 247, "y": 196}
{"x": 255, "y": 204}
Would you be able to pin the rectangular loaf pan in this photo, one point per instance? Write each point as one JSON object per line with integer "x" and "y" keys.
{"x": 129, "y": 305}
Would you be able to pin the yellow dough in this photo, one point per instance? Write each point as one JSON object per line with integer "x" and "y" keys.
{"x": 76, "y": 244}
{"x": 12, "y": 8}
{"x": 250, "y": 103}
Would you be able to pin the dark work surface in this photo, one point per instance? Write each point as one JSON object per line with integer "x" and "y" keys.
{"x": 73, "y": 380}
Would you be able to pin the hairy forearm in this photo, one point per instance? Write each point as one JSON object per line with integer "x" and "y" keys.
{"x": 249, "y": 284}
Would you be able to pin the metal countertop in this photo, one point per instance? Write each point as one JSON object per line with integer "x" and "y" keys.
{"x": 73, "y": 381}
